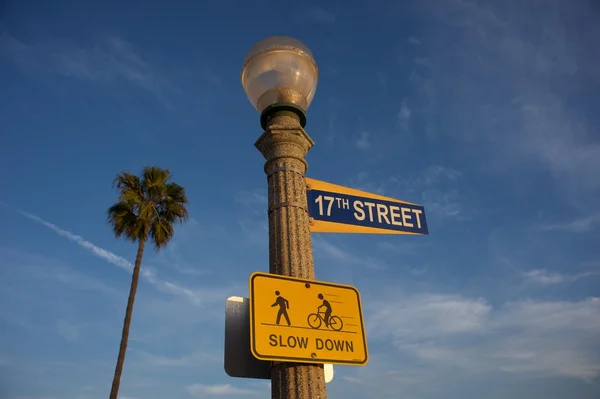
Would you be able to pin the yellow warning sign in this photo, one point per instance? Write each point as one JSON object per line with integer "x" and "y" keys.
{"x": 306, "y": 321}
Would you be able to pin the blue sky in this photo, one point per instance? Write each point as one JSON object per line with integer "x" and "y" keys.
{"x": 484, "y": 112}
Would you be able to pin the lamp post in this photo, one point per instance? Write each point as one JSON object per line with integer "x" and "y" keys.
{"x": 280, "y": 78}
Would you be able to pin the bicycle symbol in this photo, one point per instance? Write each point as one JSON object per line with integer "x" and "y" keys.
{"x": 316, "y": 319}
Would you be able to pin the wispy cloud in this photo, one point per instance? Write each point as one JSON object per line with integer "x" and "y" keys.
{"x": 436, "y": 314}
{"x": 547, "y": 277}
{"x": 152, "y": 360}
{"x": 404, "y": 248}
{"x": 365, "y": 181}
{"x": 363, "y": 142}
{"x": 404, "y": 115}
{"x": 319, "y": 15}
{"x": 551, "y": 338}
{"x": 542, "y": 276}
{"x": 172, "y": 257}
{"x": 327, "y": 249}
{"x": 581, "y": 225}
{"x": 436, "y": 173}
{"x": 99, "y": 252}
{"x": 414, "y": 40}
{"x": 256, "y": 200}
{"x": 32, "y": 397}
{"x": 109, "y": 60}
{"x": 353, "y": 380}
{"x": 442, "y": 203}
{"x": 418, "y": 271}
{"x": 508, "y": 91}
{"x": 148, "y": 274}
{"x": 201, "y": 390}
{"x": 42, "y": 268}
{"x": 67, "y": 330}
{"x": 423, "y": 62}
{"x": 438, "y": 188}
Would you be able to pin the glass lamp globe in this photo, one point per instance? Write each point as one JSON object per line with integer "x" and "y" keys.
{"x": 280, "y": 71}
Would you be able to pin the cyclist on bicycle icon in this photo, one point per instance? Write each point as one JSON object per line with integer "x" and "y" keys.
{"x": 316, "y": 319}
{"x": 327, "y": 307}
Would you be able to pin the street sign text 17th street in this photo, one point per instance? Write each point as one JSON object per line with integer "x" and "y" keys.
{"x": 338, "y": 209}
{"x": 306, "y": 321}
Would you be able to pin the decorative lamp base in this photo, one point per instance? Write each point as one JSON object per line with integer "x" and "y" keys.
{"x": 277, "y": 109}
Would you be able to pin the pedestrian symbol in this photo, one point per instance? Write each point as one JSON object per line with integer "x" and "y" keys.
{"x": 284, "y": 305}
{"x": 305, "y": 321}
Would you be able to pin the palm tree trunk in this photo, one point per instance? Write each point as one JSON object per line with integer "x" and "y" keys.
{"x": 114, "y": 392}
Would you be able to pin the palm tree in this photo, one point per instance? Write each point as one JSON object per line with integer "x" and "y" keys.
{"x": 147, "y": 208}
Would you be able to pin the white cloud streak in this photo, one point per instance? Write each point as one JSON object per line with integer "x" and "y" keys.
{"x": 366, "y": 182}
{"x": 320, "y": 15}
{"x": 152, "y": 360}
{"x": 363, "y": 142}
{"x": 404, "y": 115}
{"x": 434, "y": 314}
{"x": 109, "y": 60}
{"x": 498, "y": 83}
{"x": 549, "y": 338}
{"x": 99, "y": 252}
{"x": 581, "y": 225}
{"x": 353, "y": 380}
{"x": 547, "y": 277}
{"x": 255, "y": 200}
{"x": 414, "y": 40}
{"x": 542, "y": 276}
{"x": 323, "y": 247}
{"x": 67, "y": 330}
{"x": 147, "y": 274}
{"x": 201, "y": 390}
{"x": 438, "y": 188}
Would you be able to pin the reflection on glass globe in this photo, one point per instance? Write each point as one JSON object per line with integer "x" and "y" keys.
{"x": 280, "y": 69}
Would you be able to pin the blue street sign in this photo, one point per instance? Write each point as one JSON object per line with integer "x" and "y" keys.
{"x": 338, "y": 209}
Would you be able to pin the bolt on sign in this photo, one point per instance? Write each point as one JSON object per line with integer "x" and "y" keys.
{"x": 339, "y": 209}
{"x": 306, "y": 321}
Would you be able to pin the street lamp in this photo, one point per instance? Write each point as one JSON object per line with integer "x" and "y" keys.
{"x": 280, "y": 73}
{"x": 280, "y": 79}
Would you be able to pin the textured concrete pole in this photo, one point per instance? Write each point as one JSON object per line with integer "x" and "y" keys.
{"x": 284, "y": 144}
